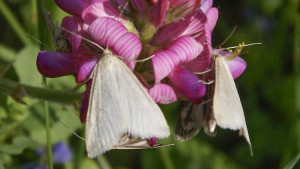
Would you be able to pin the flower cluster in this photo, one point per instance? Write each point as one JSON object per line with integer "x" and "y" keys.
{"x": 175, "y": 33}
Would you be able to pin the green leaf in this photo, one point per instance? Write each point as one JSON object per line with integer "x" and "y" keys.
{"x": 34, "y": 124}
{"x": 25, "y": 66}
{"x": 17, "y": 147}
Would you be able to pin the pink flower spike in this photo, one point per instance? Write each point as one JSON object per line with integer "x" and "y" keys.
{"x": 85, "y": 70}
{"x": 159, "y": 12}
{"x": 128, "y": 46}
{"x": 99, "y": 9}
{"x": 237, "y": 66}
{"x": 163, "y": 63}
{"x": 55, "y": 64}
{"x": 206, "y": 5}
{"x": 74, "y": 7}
{"x": 187, "y": 83}
{"x": 186, "y": 47}
{"x": 105, "y": 31}
{"x": 163, "y": 94}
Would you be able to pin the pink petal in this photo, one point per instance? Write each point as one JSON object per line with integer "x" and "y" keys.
{"x": 74, "y": 7}
{"x": 100, "y": 9}
{"x": 159, "y": 12}
{"x": 206, "y": 5}
{"x": 163, "y": 63}
{"x": 85, "y": 101}
{"x": 105, "y": 31}
{"x": 202, "y": 62}
{"x": 163, "y": 94}
{"x": 128, "y": 46}
{"x": 187, "y": 83}
{"x": 55, "y": 64}
{"x": 139, "y": 5}
{"x": 185, "y": 6}
{"x": 71, "y": 24}
{"x": 191, "y": 24}
{"x": 85, "y": 70}
{"x": 237, "y": 66}
{"x": 186, "y": 47}
{"x": 212, "y": 17}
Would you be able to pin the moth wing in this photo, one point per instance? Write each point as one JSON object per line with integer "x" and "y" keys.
{"x": 189, "y": 121}
{"x": 105, "y": 124}
{"x": 227, "y": 107}
{"x": 119, "y": 104}
{"x": 144, "y": 117}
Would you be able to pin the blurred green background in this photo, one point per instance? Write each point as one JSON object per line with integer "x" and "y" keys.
{"x": 269, "y": 91}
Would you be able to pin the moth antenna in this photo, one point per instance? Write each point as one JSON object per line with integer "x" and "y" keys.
{"x": 87, "y": 40}
{"x": 131, "y": 60}
{"x": 206, "y": 101}
{"x": 250, "y": 44}
{"x": 34, "y": 38}
{"x": 121, "y": 13}
{"x": 204, "y": 72}
{"x": 228, "y": 37}
{"x": 207, "y": 83}
{"x": 71, "y": 130}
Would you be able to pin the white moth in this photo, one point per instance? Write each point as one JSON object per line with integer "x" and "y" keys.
{"x": 120, "y": 106}
{"x": 227, "y": 108}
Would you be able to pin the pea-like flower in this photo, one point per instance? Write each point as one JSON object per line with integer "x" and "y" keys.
{"x": 175, "y": 33}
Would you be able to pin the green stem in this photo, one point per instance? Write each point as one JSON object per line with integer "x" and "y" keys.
{"x": 48, "y": 135}
{"x": 80, "y": 152}
{"x": 12, "y": 20}
{"x": 46, "y": 106}
{"x": 20, "y": 90}
{"x": 104, "y": 164}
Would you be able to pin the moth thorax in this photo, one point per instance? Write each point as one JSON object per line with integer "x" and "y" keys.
{"x": 107, "y": 52}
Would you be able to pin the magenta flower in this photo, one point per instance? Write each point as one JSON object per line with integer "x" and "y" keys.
{"x": 176, "y": 33}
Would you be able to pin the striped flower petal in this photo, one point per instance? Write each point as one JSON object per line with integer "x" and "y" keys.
{"x": 100, "y": 9}
{"x": 55, "y": 64}
{"x": 163, "y": 94}
{"x": 190, "y": 25}
{"x": 129, "y": 47}
{"x": 187, "y": 83}
{"x": 85, "y": 70}
{"x": 74, "y": 7}
{"x": 185, "y": 6}
{"x": 159, "y": 12}
{"x": 163, "y": 63}
{"x": 105, "y": 31}
{"x": 206, "y": 5}
{"x": 186, "y": 47}
{"x": 202, "y": 62}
